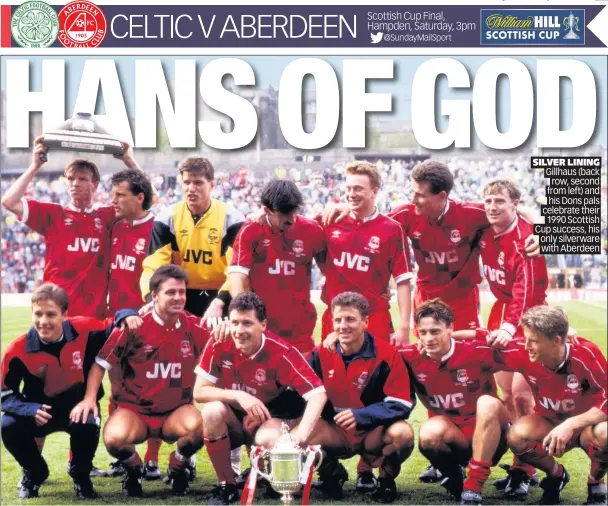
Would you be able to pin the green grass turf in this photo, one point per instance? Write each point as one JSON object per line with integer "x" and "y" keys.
{"x": 589, "y": 319}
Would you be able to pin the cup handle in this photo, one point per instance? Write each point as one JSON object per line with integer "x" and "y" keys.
{"x": 257, "y": 453}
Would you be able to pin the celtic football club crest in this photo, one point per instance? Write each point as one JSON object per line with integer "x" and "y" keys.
{"x": 34, "y": 25}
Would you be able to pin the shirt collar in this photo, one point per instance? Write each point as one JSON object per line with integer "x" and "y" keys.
{"x": 147, "y": 217}
{"x": 368, "y": 350}
{"x": 87, "y": 210}
{"x": 34, "y": 344}
{"x": 450, "y": 352}
{"x": 445, "y": 210}
{"x": 251, "y": 357}
{"x": 371, "y": 217}
{"x": 161, "y": 322}
{"x": 510, "y": 228}
{"x": 566, "y": 358}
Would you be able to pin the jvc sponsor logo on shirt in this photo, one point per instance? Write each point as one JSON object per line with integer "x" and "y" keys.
{"x": 353, "y": 261}
{"x": 448, "y": 401}
{"x": 563, "y": 405}
{"x": 198, "y": 256}
{"x": 124, "y": 262}
{"x": 494, "y": 275}
{"x": 283, "y": 268}
{"x": 441, "y": 257}
{"x": 170, "y": 370}
{"x": 85, "y": 244}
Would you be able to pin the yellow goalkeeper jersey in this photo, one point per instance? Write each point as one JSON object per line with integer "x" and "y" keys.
{"x": 203, "y": 249}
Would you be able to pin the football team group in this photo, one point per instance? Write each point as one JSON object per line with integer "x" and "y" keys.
{"x": 199, "y": 304}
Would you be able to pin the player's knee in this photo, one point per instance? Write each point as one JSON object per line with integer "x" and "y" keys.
{"x": 431, "y": 436}
{"x": 489, "y": 407}
{"x": 266, "y": 437}
{"x": 400, "y": 434}
{"x": 192, "y": 423}
{"x": 115, "y": 436}
{"x": 600, "y": 435}
{"x": 213, "y": 413}
{"x": 518, "y": 436}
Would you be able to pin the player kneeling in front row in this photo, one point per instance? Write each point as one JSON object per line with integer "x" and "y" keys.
{"x": 243, "y": 382}
{"x": 369, "y": 393}
{"x": 467, "y": 422}
{"x": 155, "y": 400}
{"x": 52, "y": 360}
{"x": 568, "y": 380}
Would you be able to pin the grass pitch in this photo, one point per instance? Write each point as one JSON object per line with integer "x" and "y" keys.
{"x": 588, "y": 318}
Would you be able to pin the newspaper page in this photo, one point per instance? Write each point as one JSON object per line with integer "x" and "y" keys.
{"x": 479, "y": 128}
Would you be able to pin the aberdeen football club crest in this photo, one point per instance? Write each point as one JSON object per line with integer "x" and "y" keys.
{"x": 501, "y": 259}
{"x": 185, "y": 349}
{"x": 82, "y": 24}
{"x": 455, "y": 236}
{"x": 214, "y": 236}
{"x": 374, "y": 243}
{"x": 140, "y": 246}
{"x": 572, "y": 382}
{"x": 462, "y": 376}
{"x": 298, "y": 247}
{"x": 77, "y": 360}
{"x": 361, "y": 380}
{"x": 260, "y": 376}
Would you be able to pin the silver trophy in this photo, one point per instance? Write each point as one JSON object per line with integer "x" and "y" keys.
{"x": 571, "y": 23}
{"x": 82, "y": 133}
{"x": 288, "y": 465}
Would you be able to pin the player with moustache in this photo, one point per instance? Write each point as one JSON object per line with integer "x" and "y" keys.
{"x": 518, "y": 282}
{"x": 274, "y": 259}
{"x": 155, "y": 397}
{"x": 199, "y": 231}
{"x": 467, "y": 422}
{"x": 52, "y": 361}
{"x": 364, "y": 250}
{"x": 132, "y": 196}
{"x": 569, "y": 383}
{"x": 77, "y": 236}
{"x": 243, "y": 383}
{"x": 369, "y": 401}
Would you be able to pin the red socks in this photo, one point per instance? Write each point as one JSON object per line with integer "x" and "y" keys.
{"x": 218, "y": 450}
{"x": 477, "y": 475}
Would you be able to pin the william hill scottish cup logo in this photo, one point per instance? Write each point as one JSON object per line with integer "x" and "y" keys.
{"x": 550, "y": 27}
{"x": 34, "y": 25}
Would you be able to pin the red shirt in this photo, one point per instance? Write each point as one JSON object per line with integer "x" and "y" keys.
{"x": 77, "y": 251}
{"x": 578, "y": 384}
{"x": 452, "y": 385}
{"x": 129, "y": 248}
{"x": 445, "y": 251}
{"x": 514, "y": 279}
{"x": 53, "y": 373}
{"x": 265, "y": 374}
{"x": 279, "y": 267}
{"x": 157, "y": 362}
{"x": 361, "y": 257}
{"x": 373, "y": 382}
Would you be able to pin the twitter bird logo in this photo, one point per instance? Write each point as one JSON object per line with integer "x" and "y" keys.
{"x": 376, "y": 37}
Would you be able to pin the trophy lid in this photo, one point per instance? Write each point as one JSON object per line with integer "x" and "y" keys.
{"x": 284, "y": 444}
{"x": 83, "y": 122}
